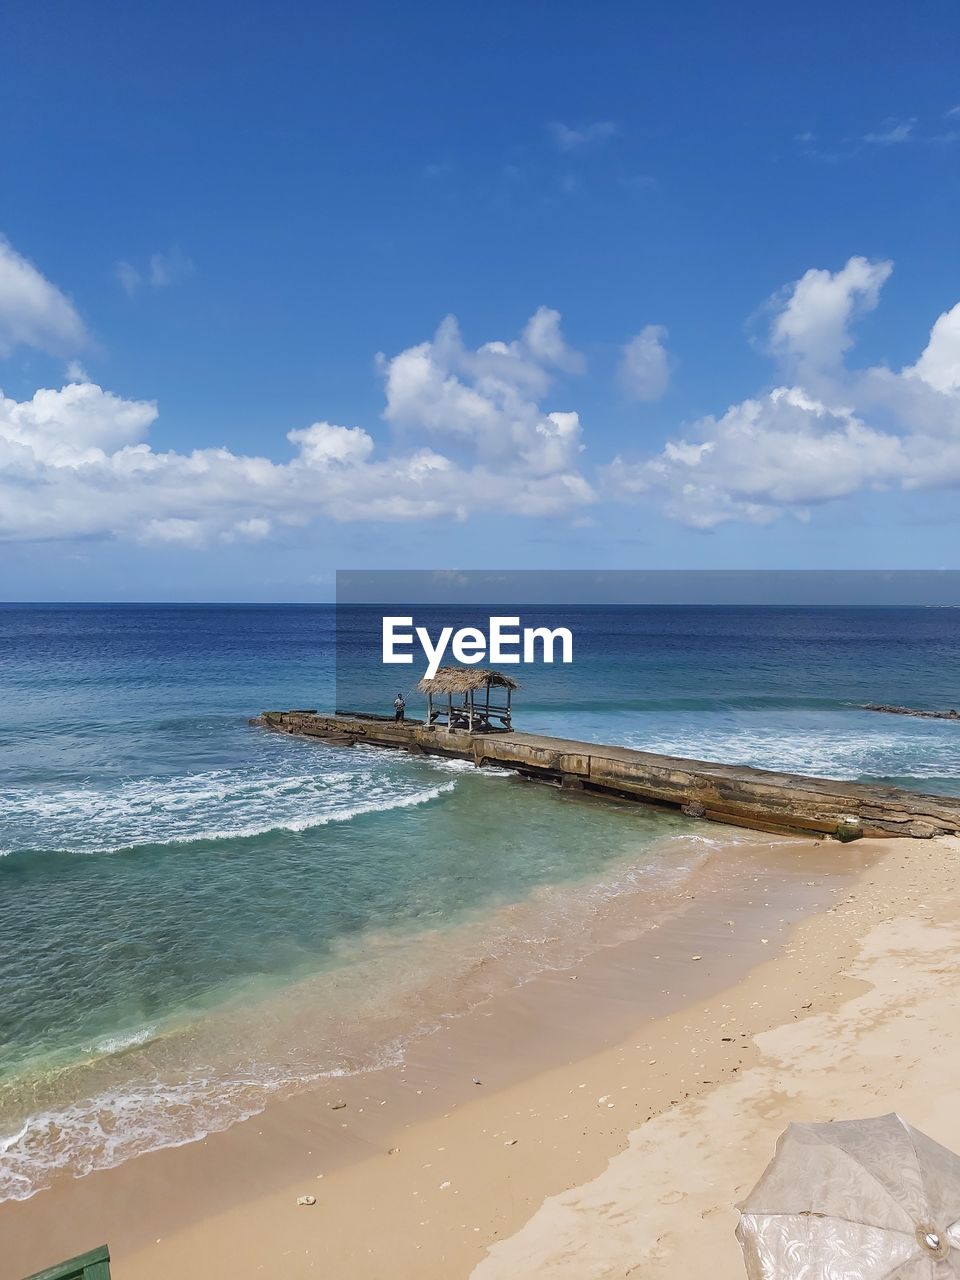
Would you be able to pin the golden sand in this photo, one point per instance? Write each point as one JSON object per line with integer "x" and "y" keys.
{"x": 564, "y": 1161}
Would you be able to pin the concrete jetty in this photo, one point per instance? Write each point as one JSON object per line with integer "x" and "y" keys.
{"x": 758, "y": 798}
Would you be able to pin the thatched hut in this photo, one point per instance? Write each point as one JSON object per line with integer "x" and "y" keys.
{"x": 471, "y": 687}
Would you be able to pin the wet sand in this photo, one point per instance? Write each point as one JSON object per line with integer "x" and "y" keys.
{"x": 622, "y": 1108}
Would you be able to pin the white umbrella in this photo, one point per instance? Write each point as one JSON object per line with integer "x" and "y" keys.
{"x": 854, "y": 1200}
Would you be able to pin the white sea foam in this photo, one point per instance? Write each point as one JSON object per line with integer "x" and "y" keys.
{"x": 453, "y": 765}
{"x": 124, "y": 1040}
{"x": 844, "y": 754}
{"x": 119, "y": 1124}
{"x": 218, "y": 805}
{"x": 152, "y": 1109}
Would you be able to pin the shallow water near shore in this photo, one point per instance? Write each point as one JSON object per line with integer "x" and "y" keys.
{"x": 197, "y": 916}
{"x": 288, "y": 963}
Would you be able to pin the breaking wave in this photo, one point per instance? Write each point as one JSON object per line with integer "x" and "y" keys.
{"x": 224, "y": 804}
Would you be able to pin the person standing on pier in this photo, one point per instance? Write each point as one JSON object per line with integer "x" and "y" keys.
{"x": 399, "y": 707}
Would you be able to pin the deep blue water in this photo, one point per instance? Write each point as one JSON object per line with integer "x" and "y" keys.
{"x": 176, "y": 883}
{"x": 777, "y": 688}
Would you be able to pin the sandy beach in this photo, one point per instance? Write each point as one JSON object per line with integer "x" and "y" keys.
{"x": 595, "y": 1123}
{"x": 479, "y": 640}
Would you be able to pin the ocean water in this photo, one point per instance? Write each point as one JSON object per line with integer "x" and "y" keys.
{"x": 196, "y": 915}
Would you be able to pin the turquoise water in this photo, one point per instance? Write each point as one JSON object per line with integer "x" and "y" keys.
{"x": 196, "y": 914}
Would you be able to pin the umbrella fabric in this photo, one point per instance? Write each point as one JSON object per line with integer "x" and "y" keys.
{"x": 854, "y": 1200}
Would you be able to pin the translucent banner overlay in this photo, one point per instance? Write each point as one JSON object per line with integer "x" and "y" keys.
{"x": 775, "y": 668}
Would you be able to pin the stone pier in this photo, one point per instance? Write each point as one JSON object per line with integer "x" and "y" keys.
{"x": 757, "y": 798}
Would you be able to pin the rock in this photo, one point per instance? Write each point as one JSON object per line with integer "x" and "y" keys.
{"x": 952, "y": 714}
{"x": 306, "y": 1199}
{"x": 476, "y": 1081}
{"x": 919, "y": 831}
{"x": 337, "y": 1106}
{"x": 849, "y": 827}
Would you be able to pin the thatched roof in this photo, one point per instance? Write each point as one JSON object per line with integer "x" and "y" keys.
{"x": 463, "y": 679}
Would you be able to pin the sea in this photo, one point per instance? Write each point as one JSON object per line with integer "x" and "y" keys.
{"x": 197, "y": 915}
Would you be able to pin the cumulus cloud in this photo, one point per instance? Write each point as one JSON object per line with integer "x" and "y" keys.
{"x": 939, "y": 363}
{"x": 325, "y": 443}
{"x": 644, "y": 370}
{"x": 76, "y": 462}
{"x": 782, "y": 451}
{"x": 544, "y": 340}
{"x": 479, "y": 428}
{"x": 488, "y": 399}
{"x": 33, "y": 312}
{"x": 70, "y": 427}
{"x": 791, "y": 448}
{"x": 811, "y": 328}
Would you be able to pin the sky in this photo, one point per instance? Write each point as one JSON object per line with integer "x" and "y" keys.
{"x": 286, "y": 289}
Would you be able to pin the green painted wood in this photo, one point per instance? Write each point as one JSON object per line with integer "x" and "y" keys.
{"x": 94, "y": 1265}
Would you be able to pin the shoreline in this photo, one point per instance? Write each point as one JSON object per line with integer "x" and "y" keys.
{"x": 742, "y": 906}
{"x": 184, "y": 1079}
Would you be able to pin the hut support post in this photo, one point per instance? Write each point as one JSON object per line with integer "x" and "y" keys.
{"x": 449, "y": 713}
{"x": 429, "y": 708}
{"x": 470, "y": 717}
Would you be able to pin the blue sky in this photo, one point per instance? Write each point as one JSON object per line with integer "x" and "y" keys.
{"x": 695, "y": 255}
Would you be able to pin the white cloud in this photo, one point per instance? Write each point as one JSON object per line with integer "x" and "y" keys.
{"x": 793, "y": 448}
{"x": 475, "y": 428}
{"x": 175, "y": 529}
{"x": 784, "y": 450}
{"x": 571, "y": 139}
{"x": 169, "y": 268}
{"x": 129, "y": 277}
{"x": 488, "y": 399}
{"x": 644, "y": 370}
{"x": 33, "y": 312}
{"x": 939, "y": 363}
{"x": 71, "y": 427}
{"x": 891, "y": 132}
{"x": 163, "y": 270}
{"x": 76, "y": 462}
{"x": 255, "y": 528}
{"x": 811, "y": 328}
{"x": 544, "y": 341}
{"x": 325, "y": 443}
